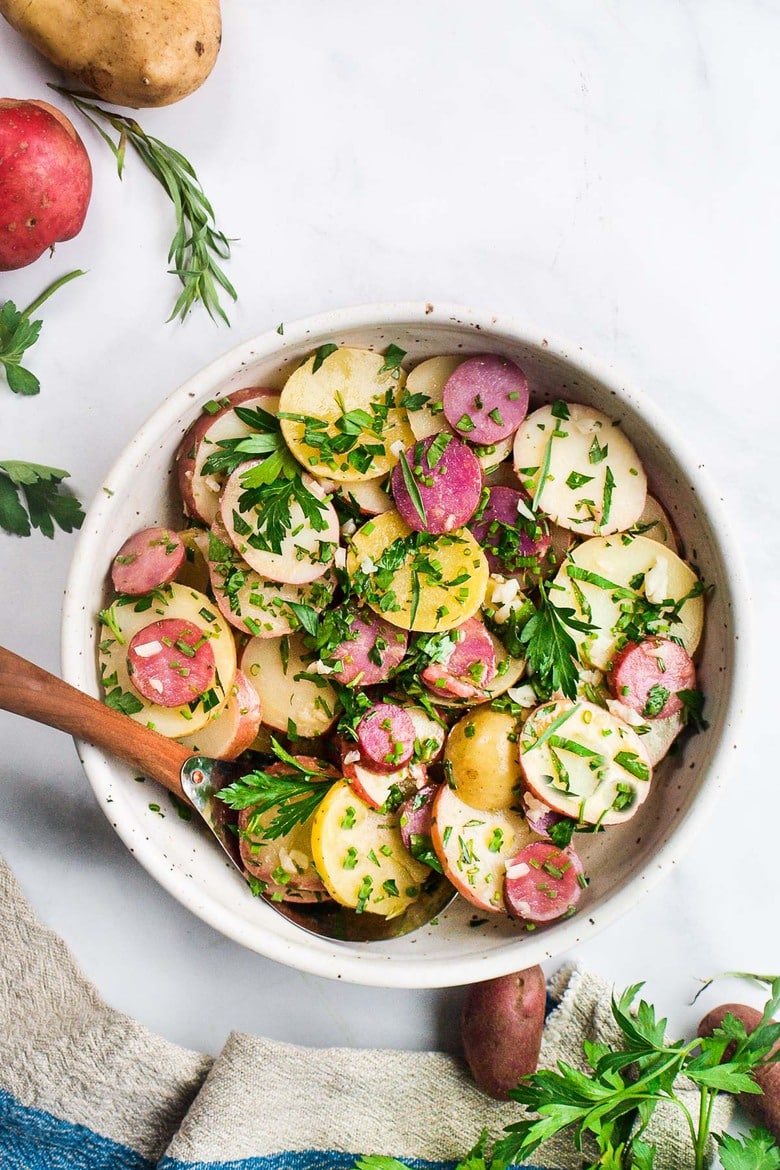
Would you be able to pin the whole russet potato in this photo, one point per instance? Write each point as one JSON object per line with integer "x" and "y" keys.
{"x": 501, "y": 1029}
{"x": 764, "y": 1109}
{"x": 129, "y": 52}
{"x": 45, "y": 181}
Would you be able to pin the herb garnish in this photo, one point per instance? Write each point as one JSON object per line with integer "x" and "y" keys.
{"x": 197, "y": 245}
{"x": 413, "y": 488}
{"x": 550, "y": 648}
{"x": 297, "y": 794}
{"x": 612, "y": 1102}
{"x": 18, "y": 333}
{"x": 31, "y": 496}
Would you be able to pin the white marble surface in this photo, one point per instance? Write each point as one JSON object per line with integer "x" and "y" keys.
{"x": 609, "y": 171}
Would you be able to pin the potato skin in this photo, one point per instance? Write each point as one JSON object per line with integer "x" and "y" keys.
{"x": 765, "y": 1109}
{"x": 485, "y": 771}
{"x": 501, "y": 1029}
{"x": 129, "y": 52}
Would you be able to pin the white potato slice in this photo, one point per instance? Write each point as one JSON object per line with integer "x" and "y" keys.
{"x": 235, "y": 728}
{"x": 429, "y": 736}
{"x": 657, "y": 735}
{"x": 371, "y": 496}
{"x": 345, "y": 380}
{"x": 360, "y": 856}
{"x": 273, "y": 667}
{"x": 380, "y": 789}
{"x": 305, "y": 552}
{"x": 594, "y": 483}
{"x": 654, "y": 523}
{"x": 253, "y": 604}
{"x": 658, "y": 574}
{"x": 474, "y": 847}
{"x": 428, "y": 380}
{"x": 120, "y": 625}
{"x": 584, "y": 762}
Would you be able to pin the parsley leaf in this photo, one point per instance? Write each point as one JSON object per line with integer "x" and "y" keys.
{"x": 295, "y": 795}
{"x": 18, "y": 333}
{"x": 550, "y": 648}
{"x": 757, "y": 1151}
{"x": 31, "y": 496}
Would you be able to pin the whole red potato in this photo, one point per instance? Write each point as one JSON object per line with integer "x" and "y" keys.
{"x": 501, "y": 1029}
{"x": 45, "y": 181}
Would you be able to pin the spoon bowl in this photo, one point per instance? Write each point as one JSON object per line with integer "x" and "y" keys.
{"x": 28, "y": 690}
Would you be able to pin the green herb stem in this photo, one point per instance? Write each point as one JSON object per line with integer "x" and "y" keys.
{"x": 197, "y": 246}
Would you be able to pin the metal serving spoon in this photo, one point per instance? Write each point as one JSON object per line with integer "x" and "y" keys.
{"x": 28, "y": 690}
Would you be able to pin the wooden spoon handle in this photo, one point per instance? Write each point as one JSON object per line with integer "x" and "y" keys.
{"x": 28, "y": 690}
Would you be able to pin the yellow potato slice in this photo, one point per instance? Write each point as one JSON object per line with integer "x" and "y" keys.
{"x": 658, "y": 575}
{"x": 273, "y": 667}
{"x": 346, "y": 380}
{"x": 481, "y": 759}
{"x": 360, "y": 856}
{"x": 439, "y": 582}
{"x": 120, "y": 625}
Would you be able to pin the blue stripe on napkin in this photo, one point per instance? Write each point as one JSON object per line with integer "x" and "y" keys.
{"x": 33, "y": 1140}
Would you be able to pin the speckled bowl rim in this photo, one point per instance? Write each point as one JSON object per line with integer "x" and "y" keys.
{"x": 365, "y": 966}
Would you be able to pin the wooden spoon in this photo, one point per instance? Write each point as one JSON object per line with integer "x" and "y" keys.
{"x": 28, "y": 690}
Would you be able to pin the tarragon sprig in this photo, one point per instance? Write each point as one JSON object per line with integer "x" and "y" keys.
{"x": 197, "y": 245}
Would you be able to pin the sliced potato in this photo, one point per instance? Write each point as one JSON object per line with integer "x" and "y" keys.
{"x": 657, "y": 735}
{"x": 121, "y": 622}
{"x": 360, "y": 856}
{"x": 305, "y": 552}
{"x": 371, "y": 496}
{"x": 450, "y": 572}
{"x": 583, "y": 762}
{"x": 274, "y": 666}
{"x": 235, "y": 728}
{"x": 594, "y": 482}
{"x": 428, "y": 381}
{"x": 474, "y": 847}
{"x": 654, "y": 523}
{"x": 345, "y": 380}
{"x": 658, "y": 575}
{"x": 481, "y": 759}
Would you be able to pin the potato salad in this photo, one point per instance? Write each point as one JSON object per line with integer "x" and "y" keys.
{"x": 444, "y": 627}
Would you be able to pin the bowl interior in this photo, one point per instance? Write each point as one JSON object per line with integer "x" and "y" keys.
{"x": 463, "y": 944}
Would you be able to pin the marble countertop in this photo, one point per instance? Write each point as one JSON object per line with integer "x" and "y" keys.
{"x": 609, "y": 172}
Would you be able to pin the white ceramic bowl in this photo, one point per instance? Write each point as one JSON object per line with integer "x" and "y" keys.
{"x": 623, "y": 862}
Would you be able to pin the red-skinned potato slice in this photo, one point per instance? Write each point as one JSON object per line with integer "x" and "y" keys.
{"x": 251, "y": 603}
{"x": 648, "y": 676}
{"x": 543, "y": 883}
{"x": 284, "y": 865}
{"x": 584, "y": 763}
{"x": 199, "y": 493}
{"x": 146, "y": 560}
{"x": 382, "y": 789}
{"x": 474, "y": 847}
{"x": 236, "y": 726}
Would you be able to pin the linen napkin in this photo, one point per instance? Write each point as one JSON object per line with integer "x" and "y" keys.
{"x": 84, "y": 1087}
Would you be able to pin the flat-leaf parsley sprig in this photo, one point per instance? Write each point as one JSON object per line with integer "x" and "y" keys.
{"x": 296, "y": 795}
{"x": 197, "y": 246}
{"x": 608, "y": 1108}
{"x": 550, "y": 648}
{"x": 19, "y": 332}
{"x": 31, "y": 496}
